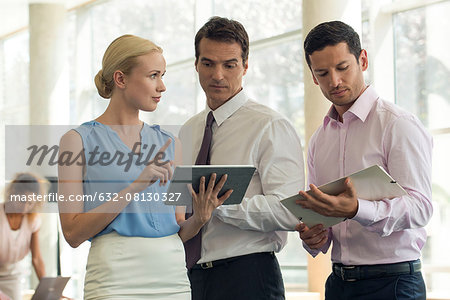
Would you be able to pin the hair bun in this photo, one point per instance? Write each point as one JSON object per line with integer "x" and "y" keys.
{"x": 102, "y": 86}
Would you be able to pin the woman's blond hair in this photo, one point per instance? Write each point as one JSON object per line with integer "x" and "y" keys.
{"x": 121, "y": 55}
{"x": 27, "y": 182}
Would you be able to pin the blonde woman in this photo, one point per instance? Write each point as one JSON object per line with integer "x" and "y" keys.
{"x": 19, "y": 232}
{"x": 136, "y": 243}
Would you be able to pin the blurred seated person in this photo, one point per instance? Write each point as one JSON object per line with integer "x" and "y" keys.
{"x": 19, "y": 232}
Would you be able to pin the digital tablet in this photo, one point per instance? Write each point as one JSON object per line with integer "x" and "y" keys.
{"x": 50, "y": 288}
{"x": 239, "y": 177}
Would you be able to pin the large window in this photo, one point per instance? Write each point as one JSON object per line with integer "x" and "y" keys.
{"x": 95, "y": 26}
{"x": 422, "y": 72}
{"x": 14, "y": 83}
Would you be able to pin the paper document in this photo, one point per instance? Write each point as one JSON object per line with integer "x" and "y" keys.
{"x": 239, "y": 177}
{"x": 372, "y": 183}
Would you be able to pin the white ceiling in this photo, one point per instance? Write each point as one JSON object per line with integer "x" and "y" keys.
{"x": 14, "y": 13}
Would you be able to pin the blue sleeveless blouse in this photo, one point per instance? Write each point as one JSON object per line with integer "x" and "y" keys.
{"x": 111, "y": 166}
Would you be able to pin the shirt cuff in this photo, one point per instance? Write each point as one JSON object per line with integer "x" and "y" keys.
{"x": 366, "y": 212}
{"x": 312, "y": 252}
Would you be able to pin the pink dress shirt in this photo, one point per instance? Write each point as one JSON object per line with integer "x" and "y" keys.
{"x": 374, "y": 131}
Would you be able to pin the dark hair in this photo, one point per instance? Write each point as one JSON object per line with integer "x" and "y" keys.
{"x": 330, "y": 34}
{"x": 223, "y": 30}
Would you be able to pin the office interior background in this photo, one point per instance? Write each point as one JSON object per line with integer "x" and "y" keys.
{"x": 50, "y": 52}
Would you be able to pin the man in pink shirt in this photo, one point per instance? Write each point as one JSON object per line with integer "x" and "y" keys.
{"x": 376, "y": 251}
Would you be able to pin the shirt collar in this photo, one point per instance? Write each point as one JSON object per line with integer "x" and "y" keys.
{"x": 360, "y": 108}
{"x": 224, "y": 111}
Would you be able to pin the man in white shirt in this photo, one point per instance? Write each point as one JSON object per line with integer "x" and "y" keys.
{"x": 237, "y": 258}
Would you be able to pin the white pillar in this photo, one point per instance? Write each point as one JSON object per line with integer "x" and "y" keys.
{"x": 316, "y": 105}
{"x": 49, "y": 86}
{"x": 49, "y": 99}
{"x": 381, "y": 56}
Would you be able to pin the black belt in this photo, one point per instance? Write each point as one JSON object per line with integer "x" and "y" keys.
{"x": 354, "y": 273}
{"x": 221, "y": 262}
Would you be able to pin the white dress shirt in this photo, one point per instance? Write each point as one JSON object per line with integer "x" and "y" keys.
{"x": 248, "y": 133}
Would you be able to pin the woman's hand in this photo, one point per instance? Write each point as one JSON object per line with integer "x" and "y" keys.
{"x": 154, "y": 171}
{"x": 206, "y": 201}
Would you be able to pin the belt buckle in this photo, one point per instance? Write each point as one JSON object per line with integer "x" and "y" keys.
{"x": 207, "y": 265}
{"x": 343, "y": 268}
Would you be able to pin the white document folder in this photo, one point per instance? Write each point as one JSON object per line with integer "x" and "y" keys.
{"x": 372, "y": 183}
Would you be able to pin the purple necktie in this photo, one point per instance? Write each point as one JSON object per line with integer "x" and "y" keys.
{"x": 193, "y": 246}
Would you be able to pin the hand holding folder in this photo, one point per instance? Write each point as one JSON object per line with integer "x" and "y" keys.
{"x": 341, "y": 205}
{"x": 372, "y": 183}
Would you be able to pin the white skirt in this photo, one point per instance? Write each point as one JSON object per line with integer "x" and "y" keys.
{"x": 122, "y": 267}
